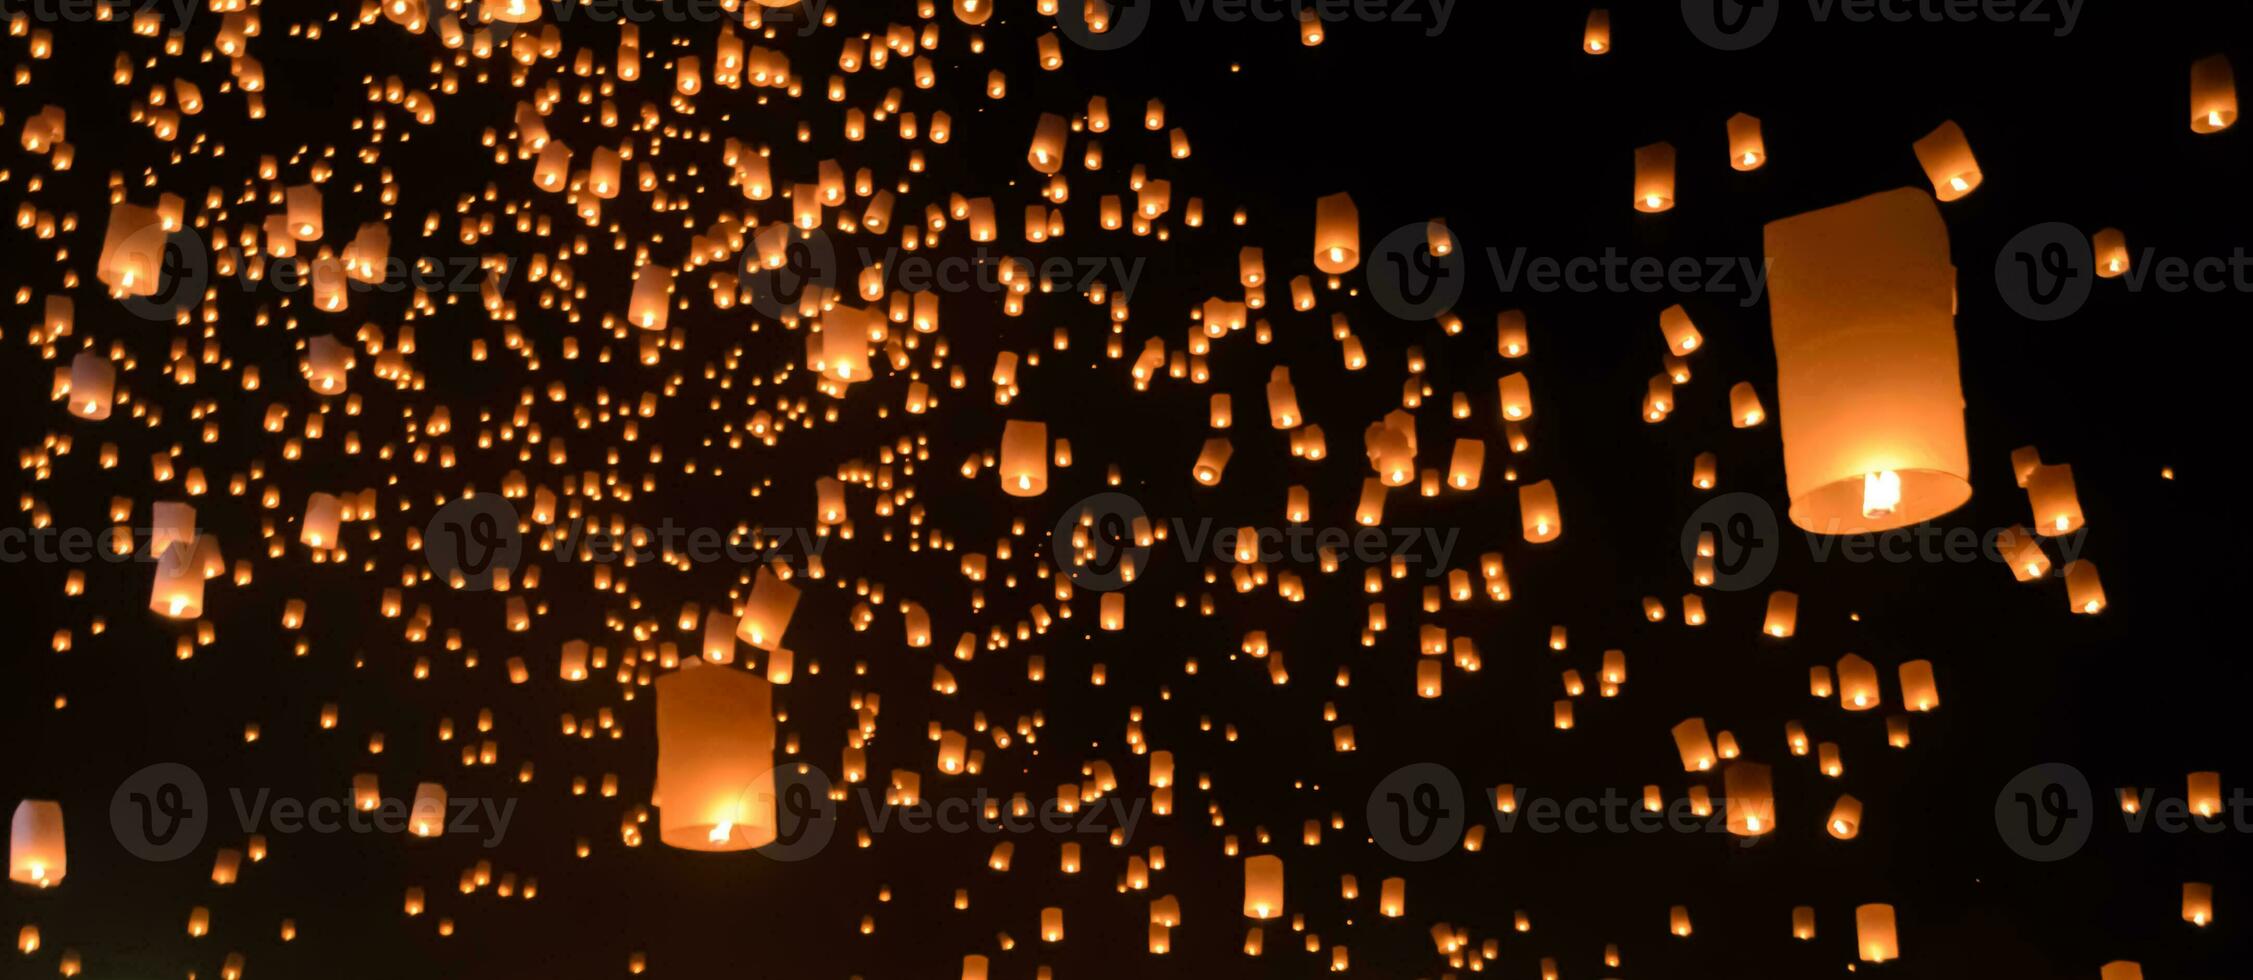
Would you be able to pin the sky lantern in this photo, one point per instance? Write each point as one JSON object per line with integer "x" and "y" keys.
{"x": 2021, "y": 549}
{"x": 1870, "y": 405}
{"x": 1517, "y": 396}
{"x": 767, "y": 613}
{"x": 1918, "y": 690}
{"x": 132, "y": 255}
{"x": 1538, "y": 513}
{"x": 2198, "y": 903}
{"x": 1047, "y": 152}
{"x": 1747, "y": 152}
{"x": 715, "y": 759}
{"x": 2120, "y": 970}
{"x": 425, "y": 818}
{"x": 2203, "y": 793}
{"x": 1846, "y": 817}
{"x": 177, "y": 591}
{"x": 1693, "y": 744}
{"x": 1263, "y": 887}
{"x": 1874, "y": 937}
{"x": 1510, "y": 338}
{"x": 1946, "y": 156}
{"x": 2213, "y": 95}
{"x": 1681, "y": 335}
{"x": 1749, "y": 788}
{"x": 93, "y": 386}
{"x": 511, "y": 11}
{"x": 1783, "y": 614}
{"x": 2082, "y": 588}
{"x": 1857, "y": 683}
{"x": 1337, "y": 234}
{"x": 1596, "y": 35}
{"x": 2110, "y": 246}
{"x": 1802, "y": 922}
{"x": 2057, "y": 507}
{"x": 35, "y": 844}
{"x": 1745, "y": 410}
{"x": 1024, "y": 458}
{"x": 1654, "y": 178}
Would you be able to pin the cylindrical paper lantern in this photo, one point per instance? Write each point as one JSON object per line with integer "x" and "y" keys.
{"x": 1263, "y": 887}
{"x": 1867, "y": 389}
{"x": 1751, "y": 793}
{"x": 1946, "y": 156}
{"x": 1846, "y": 818}
{"x": 1024, "y": 458}
{"x": 1654, "y": 178}
{"x": 1337, "y": 234}
{"x": 1746, "y": 149}
{"x": 1537, "y": 511}
{"x": 715, "y": 759}
{"x": 2057, "y": 506}
{"x": 2213, "y": 95}
{"x": 1874, "y": 934}
{"x": 35, "y": 844}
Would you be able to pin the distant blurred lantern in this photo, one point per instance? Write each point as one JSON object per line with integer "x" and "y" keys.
{"x": 1694, "y": 745}
{"x": 1857, "y": 683}
{"x": 323, "y": 513}
{"x": 1867, "y": 387}
{"x": 767, "y": 613}
{"x": 1746, "y": 149}
{"x": 2198, "y": 903}
{"x": 1918, "y": 690}
{"x": 973, "y": 966}
{"x": 178, "y": 589}
{"x": 2203, "y": 793}
{"x": 2111, "y": 248}
{"x": 1597, "y": 37}
{"x": 1846, "y": 818}
{"x": 1678, "y": 920}
{"x": 93, "y": 386}
{"x": 1681, "y": 335}
{"x": 1947, "y": 160}
{"x": 1783, "y": 614}
{"x": 1744, "y": 406}
{"x": 2213, "y": 95}
{"x": 1337, "y": 234}
{"x": 2082, "y": 588}
{"x": 35, "y": 844}
{"x": 328, "y": 364}
{"x": 1802, "y": 922}
{"x": 1047, "y": 152}
{"x": 1874, "y": 935}
{"x": 1024, "y": 458}
{"x": 1654, "y": 178}
{"x": 427, "y": 817}
{"x": 1263, "y": 887}
{"x": 2120, "y": 970}
{"x": 1392, "y": 898}
{"x": 1537, "y": 511}
{"x": 1751, "y": 798}
{"x": 512, "y": 11}
{"x": 715, "y": 759}
{"x": 1052, "y": 925}
{"x": 2057, "y": 507}
{"x": 2021, "y": 549}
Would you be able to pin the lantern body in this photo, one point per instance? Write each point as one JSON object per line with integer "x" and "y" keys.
{"x": 2213, "y": 95}
{"x": 1867, "y": 390}
{"x": 1857, "y": 683}
{"x": 132, "y": 255}
{"x": 2082, "y": 587}
{"x": 35, "y": 844}
{"x": 1874, "y": 933}
{"x": 2198, "y": 903}
{"x": 1337, "y": 234}
{"x": 1597, "y": 37}
{"x": 715, "y": 759}
{"x": 1263, "y": 887}
{"x": 1948, "y": 162}
{"x": 2121, "y": 970}
{"x": 1846, "y": 818}
{"x": 767, "y": 613}
{"x": 1918, "y": 690}
{"x": 1750, "y": 788}
{"x": 1654, "y": 178}
{"x": 1537, "y": 511}
{"x": 1024, "y": 458}
{"x": 1746, "y": 149}
{"x": 93, "y": 386}
{"x": 2057, "y": 505}
{"x": 1694, "y": 745}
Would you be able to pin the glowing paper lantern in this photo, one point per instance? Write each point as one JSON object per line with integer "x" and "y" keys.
{"x": 1783, "y": 614}
{"x": 2203, "y": 793}
{"x": 1746, "y": 149}
{"x": 1212, "y": 461}
{"x": 1918, "y": 690}
{"x": 1024, "y": 458}
{"x": 1867, "y": 389}
{"x": 715, "y": 759}
{"x": 1337, "y": 234}
{"x": 2082, "y": 587}
{"x": 2021, "y": 549}
{"x": 1596, "y": 37}
{"x": 1857, "y": 683}
{"x": 1694, "y": 745}
{"x": 1681, "y": 335}
{"x": 1948, "y": 162}
{"x": 1745, "y": 410}
{"x": 35, "y": 844}
{"x": 1263, "y": 887}
{"x": 2120, "y": 970}
{"x": 2111, "y": 252}
{"x": 767, "y": 613}
{"x": 2057, "y": 506}
{"x": 132, "y": 255}
{"x": 1517, "y": 397}
{"x": 2213, "y": 95}
{"x": 2198, "y": 903}
{"x": 427, "y": 817}
{"x": 1846, "y": 818}
{"x": 1874, "y": 934}
{"x": 1537, "y": 511}
{"x": 93, "y": 386}
{"x": 1751, "y": 793}
{"x": 1654, "y": 178}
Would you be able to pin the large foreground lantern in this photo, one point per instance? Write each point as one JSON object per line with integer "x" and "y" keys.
{"x": 1867, "y": 392}
{"x": 1263, "y": 887}
{"x": 715, "y": 759}
{"x": 2213, "y": 95}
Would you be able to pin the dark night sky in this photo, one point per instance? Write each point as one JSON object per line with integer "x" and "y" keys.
{"x": 1500, "y": 125}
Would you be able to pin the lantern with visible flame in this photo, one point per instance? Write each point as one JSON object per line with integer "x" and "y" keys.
{"x": 767, "y": 613}
{"x": 1263, "y": 887}
{"x": 35, "y": 844}
{"x": 1024, "y": 458}
{"x": 1874, "y": 933}
{"x": 1750, "y": 788}
{"x": 715, "y": 759}
{"x": 1867, "y": 389}
{"x": 2213, "y": 95}
{"x": 1946, "y": 156}
{"x": 1537, "y": 511}
{"x": 1654, "y": 178}
{"x": 1337, "y": 234}
{"x": 1746, "y": 149}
